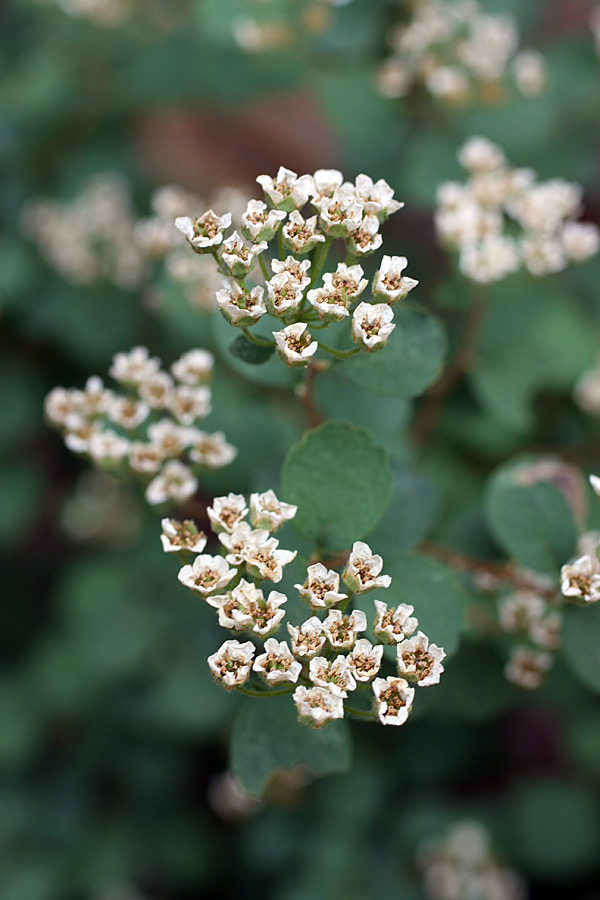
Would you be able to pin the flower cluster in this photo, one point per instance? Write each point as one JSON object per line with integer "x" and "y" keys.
{"x": 535, "y": 621}
{"x": 158, "y": 240}
{"x": 284, "y": 282}
{"x": 89, "y": 239}
{"x": 457, "y": 52}
{"x": 462, "y": 865}
{"x": 265, "y": 31}
{"x": 149, "y": 428}
{"x": 327, "y": 657}
{"x": 503, "y": 219}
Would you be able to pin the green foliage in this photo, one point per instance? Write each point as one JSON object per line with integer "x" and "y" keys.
{"x": 581, "y": 644}
{"x": 266, "y": 737}
{"x": 340, "y": 481}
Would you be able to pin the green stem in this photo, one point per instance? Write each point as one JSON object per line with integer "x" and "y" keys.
{"x": 350, "y": 259}
{"x": 319, "y": 261}
{"x": 280, "y": 244}
{"x": 339, "y": 354}
{"x": 363, "y": 714}
{"x": 251, "y": 693}
{"x": 263, "y": 266}
{"x": 256, "y": 340}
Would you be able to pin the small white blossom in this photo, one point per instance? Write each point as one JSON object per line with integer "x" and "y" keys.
{"x": 206, "y": 232}
{"x": 194, "y": 367}
{"x": 157, "y": 390}
{"x": 127, "y": 413}
{"x": 527, "y": 667}
{"x": 188, "y": 404}
{"x": 239, "y": 306}
{"x": 372, "y": 324}
{"x": 393, "y": 625}
{"x": 492, "y": 259}
{"x": 389, "y": 285}
{"x": 376, "y": 198}
{"x": 317, "y": 706}
{"x": 242, "y": 542}
{"x": 168, "y": 437}
{"x": 286, "y": 191}
{"x": 95, "y": 398}
{"x": 580, "y": 580}
{"x": 266, "y": 561}
{"x": 580, "y": 240}
{"x": 277, "y": 664}
{"x": 237, "y": 608}
{"x": 519, "y": 610}
{"x": 365, "y": 660}
{"x": 335, "y": 675}
{"x": 237, "y": 257}
{"x": 212, "y": 450}
{"x": 420, "y": 661}
{"x": 226, "y": 513}
{"x": 295, "y": 345}
{"x": 478, "y": 154}
{"x": 145, "y": 458}
{"x": 206, "y": 574}
{"x": 394, "y": 700}
{"x": 546, "y": 632}
{"x": 284, "y": 294}
{"x": 309, "y": 639}
{"x": 340, "y": 214}
{"x": 177, "y": 536}
{"x": 230, "y": 665}
{"x": 267, "y": 618}
{"x": 80, "y": 434}
{"x": 321, "y": 588}
{"x": 107, "y": 447}
{"x": 259, "y": 223}
{"x": 529, "y": 70}
{"x": 362, "y": 572}
{"x": 342, "y": 630}
{"x": 174, "y": 482}
{"x": 542, "y": 254}
{"x": 325, "y": 182}
{"x": 134, "y": 367}
{"x": 366, "y": 238}
{"x": 330, "y": 304}
{"x": 347, "y": 280}
{"x": 62, "y": 405}
{"x": 266, "y": 511}
{"x": 297, "y": 268}
{"x": 300, "y": 234}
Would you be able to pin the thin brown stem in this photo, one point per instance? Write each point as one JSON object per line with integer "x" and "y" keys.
{"x": 306, "y": 395}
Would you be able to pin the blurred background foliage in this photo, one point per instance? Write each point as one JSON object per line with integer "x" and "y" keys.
{"x": 113, "y": 737}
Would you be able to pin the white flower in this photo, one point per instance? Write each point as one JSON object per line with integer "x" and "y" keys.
{"x": 580, "y": 240}
{"x": 266, "y": 561}
{"x": 420, "y": 661}
{"x": 284, "y": 294}
{"x": 177, "y": 536}
{"x": 206, "y": 232}
{"x": 377, "y": 199}
{"x": 348, "y": 280}
{"x": 317, "y": 706}
{"x": 340, "y": 214}
{"x": 206, "y": 574}
{"x": 519, "y": 610}
{"x": 134, "y": 367}
{"x": 587, "y": 391}
{"x": 366, "y": 239}
{"x": 259, "y": 223}
{"x": 286, "y": 191}
{"x": 188, "y": 404}
{"x": 393, "y": 625}
{"x": 372, "y": 324}
{"x": 321, "y": 588}
{"x": 107, "y": 446}
{"x": 238, "y": 258}
{"x": 238, "y": 305}
{"x": 529, "y": 70}
{"x": 335, "y": 675}
{"x": 266, "y": 511}
{"x": 388, "y": 284}
{"x": 80, "y": 434}
{"x": 242, "y": 540}
{"x": 478, "y": 154}
{"x": 212, "y": 450}
{"x": 300, "y": 234}
{"x": 277, "y": 664}
{"x": 230, "y": 665}
{"x": 542, "y": 254}
{"x": 394, "y": 700}
{"x": 267, "y": 618}
{"x": 362, "y": 572}
{"x": 168, "y": 437}
{"x": 492, "y": 259}
{"x": 226, "y": 513}
{"x": 325, "y": 182}
{"x": 174, "y": 482}
{"x": 62, "y": 405}
{"x": 580, "y": 580}
{"x": 329, "y": 303}
{"x": 527, "y": 667}
{"x": 95, "y": 399}
{"x": 295, "y": 345}
{"x": 236, "y": 609}
{"x": 546, "y": 632}
{"x": 145, "y": 458}
{"x": 194, "y": 367}
{"x": 449, "y": 82}
{"x": 127, "y": 412}
{"x": 365, "y": 660}
{"x": 157, "y": 390}
{"x": 309, "y": 639}
{"x": 595, "y": 483}
{"x": 341, "y": 630}
{"x": 297, "y": 268}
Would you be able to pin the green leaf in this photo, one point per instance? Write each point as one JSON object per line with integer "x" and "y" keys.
{"x": 532, "y": 522}
{"x": 248, "y": 352}
{"x": 267, "y": 736}
{"x": 409, "y": 515}
{"x": 411, "y": 361}
{"x": 555, "y": 828}
{"x": 581, "y": 644}
{"x": 341, "y": 482}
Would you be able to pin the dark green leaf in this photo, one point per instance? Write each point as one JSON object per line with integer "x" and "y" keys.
{"x": 248, "y": 352}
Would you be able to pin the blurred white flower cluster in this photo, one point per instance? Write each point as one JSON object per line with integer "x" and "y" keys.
{"x": 458, "y": 53}
{"x": 286, "y": 282}
{"x": 502, "y": 219}
{"x": 157, "y": 238}
{"x": 264, "y": 31}
{"x": 326, "y": 658}
{"x": 89, "y": 239}
{"x": 461, "y": 866}
{"x": 148, "y": 429}
{"x": 104, "y": 13}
